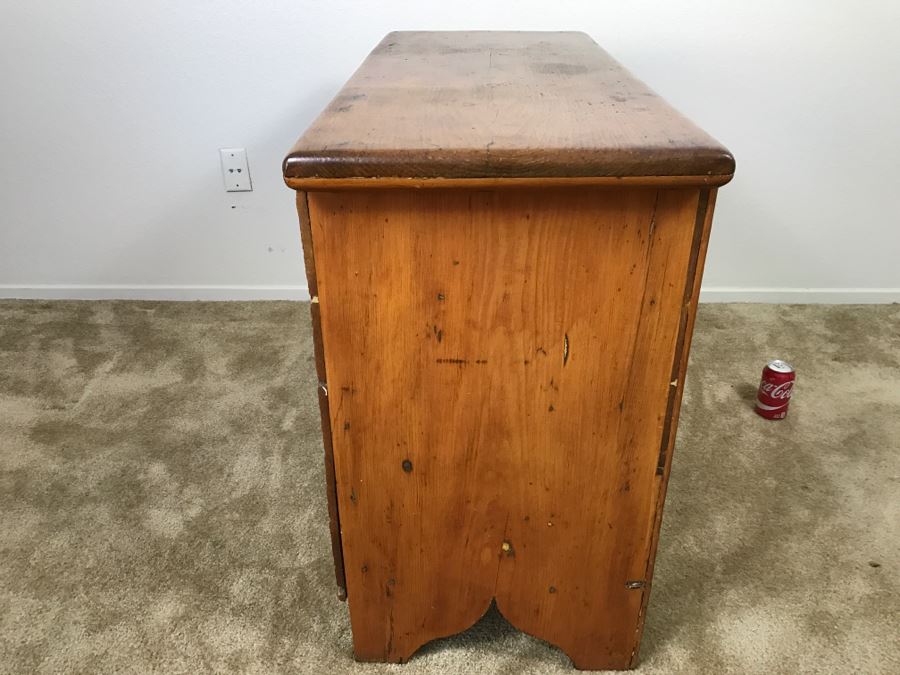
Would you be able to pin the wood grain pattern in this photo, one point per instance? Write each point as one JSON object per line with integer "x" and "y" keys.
{"x": 376, "y": 183}
{"x": 319, "y": 350}
{"x": 500, "y": 105}
{"x": 500, "y": 370}
{"x": 706, "y": 206}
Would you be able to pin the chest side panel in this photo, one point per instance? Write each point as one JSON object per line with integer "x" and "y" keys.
{"x": 499, "y": 369}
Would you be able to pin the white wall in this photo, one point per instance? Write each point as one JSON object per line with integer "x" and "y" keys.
{"x": 112, "y": 114}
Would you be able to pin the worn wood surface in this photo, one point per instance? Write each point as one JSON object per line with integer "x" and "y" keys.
{"x": 319, "y": 350}
{"x": 499, "y": 105}
{"x": 500, "y": 372}
{"x": 703, "y": 225}
{"x": 332, "y": 184}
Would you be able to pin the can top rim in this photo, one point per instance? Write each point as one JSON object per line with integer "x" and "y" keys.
{"x": 780, "y": 366}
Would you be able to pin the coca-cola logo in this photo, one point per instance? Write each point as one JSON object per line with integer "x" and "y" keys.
{"x": 781, "y": 391}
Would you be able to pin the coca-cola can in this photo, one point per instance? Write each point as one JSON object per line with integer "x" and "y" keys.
{"x": 775, "y": 389}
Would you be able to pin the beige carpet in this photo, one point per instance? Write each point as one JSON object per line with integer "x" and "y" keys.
{"x": 162, "y": 500}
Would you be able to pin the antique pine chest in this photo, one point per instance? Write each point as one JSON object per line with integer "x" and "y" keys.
{"x": 504, "y": 236}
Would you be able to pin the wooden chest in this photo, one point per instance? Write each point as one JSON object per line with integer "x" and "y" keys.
{"x": 504, "y": 236}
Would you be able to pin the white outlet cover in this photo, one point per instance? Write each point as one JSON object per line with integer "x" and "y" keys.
{"x": 235, "y": 170}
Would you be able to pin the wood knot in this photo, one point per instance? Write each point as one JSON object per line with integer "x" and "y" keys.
{"x": 407, "y": 465}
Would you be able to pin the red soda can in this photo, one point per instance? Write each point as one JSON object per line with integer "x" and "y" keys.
{"x": 775, "y": 389}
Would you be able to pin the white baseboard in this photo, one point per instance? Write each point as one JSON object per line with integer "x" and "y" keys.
{"x": 154, "y": 292}
{"x": 802, "y": 296}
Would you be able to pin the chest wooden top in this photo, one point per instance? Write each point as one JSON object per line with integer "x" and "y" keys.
{"x": 500, "y": 105}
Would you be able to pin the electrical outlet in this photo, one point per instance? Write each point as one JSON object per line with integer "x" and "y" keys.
{"x": 235, "y": 170}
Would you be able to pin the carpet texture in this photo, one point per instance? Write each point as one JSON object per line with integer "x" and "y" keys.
{"x": 162, "y": 506}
